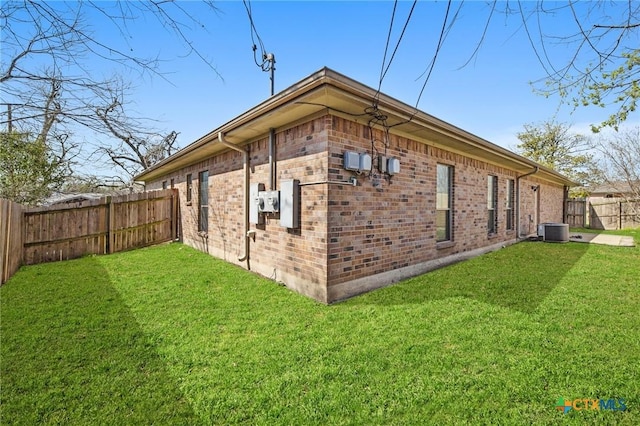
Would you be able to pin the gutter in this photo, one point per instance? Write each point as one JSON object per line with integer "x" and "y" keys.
{"x": 245, "y": 204}
{"x": 535, "y": 170}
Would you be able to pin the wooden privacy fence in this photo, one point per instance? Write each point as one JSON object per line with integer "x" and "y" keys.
{"x": 618, "y": 214}
{"x": 107, "y": 225}
{"x": 10, "y": 238}
{"x": 576, "y": 212}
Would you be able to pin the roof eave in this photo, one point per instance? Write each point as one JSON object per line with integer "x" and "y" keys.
{"x": 332, "y": 91}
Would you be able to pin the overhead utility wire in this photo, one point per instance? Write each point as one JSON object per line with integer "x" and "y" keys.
{"x": 400, "y": 39}
{"x": 268, "y": 63}
{"x": 383, "y": 70}
{"x": 443, "y": 34}
{"x": 386, "y": 47}
{"x": 435, "y": 55}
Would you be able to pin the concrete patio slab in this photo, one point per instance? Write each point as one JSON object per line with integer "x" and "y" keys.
{"x": 610, "y": 240}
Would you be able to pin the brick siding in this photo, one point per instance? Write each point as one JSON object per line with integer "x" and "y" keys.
{"x": 349, "y": 233}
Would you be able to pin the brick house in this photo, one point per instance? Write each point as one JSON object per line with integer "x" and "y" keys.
{"x": 334, "y": 189}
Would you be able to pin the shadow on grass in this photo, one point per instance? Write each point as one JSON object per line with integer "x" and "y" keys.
{"x": 517, "y": 277}
{"x": 72, "y": 353}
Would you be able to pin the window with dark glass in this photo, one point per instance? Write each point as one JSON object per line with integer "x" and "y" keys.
{"x": 172, "y": 183}
{"x": 164, "y": 184}
{"x": 492, "y": 204}
{"x": 444, "y": 192}
{"x": 510, "y": 203}
{"x": 203, "y": 202}
{"x": 189, "y": 187}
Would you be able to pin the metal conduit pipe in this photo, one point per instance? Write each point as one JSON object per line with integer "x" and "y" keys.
{"x": 272, "y": 159}
{"x": 518, "y": 197}
{"x": 245, "y": 204}
{"x": 353, "y": 182}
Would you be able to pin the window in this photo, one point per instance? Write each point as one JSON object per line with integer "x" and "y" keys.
{"x": 189, "y": 187}
{"x": 444, "y": 191}
{"x": 492, "y": 204}
{"x": 164, "y": 184}
{"x": 510, "y": 202}
{"x": 203, "y": 202}
{"x": 172, "y": 183}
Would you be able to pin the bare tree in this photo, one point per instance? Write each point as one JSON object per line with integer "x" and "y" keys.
{"x": 621, "y": 153}
{"x": 51, "y": 75}
{"x": 135, "y": 151}
{"x": 601, "y": 40}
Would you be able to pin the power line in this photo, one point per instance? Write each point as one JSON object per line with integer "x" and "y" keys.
{"x": 435, "y": 55}
{"x": 383, "y": 70}
{"x": 268, "y": 60}
{"x": 386, "y": 47}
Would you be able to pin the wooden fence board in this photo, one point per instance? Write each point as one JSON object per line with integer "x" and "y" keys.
{"x": 576, "y": 212}
{"x": 617, "y": 214}
{"x": 108, "y": 225}
{"x": 11, "y": 238}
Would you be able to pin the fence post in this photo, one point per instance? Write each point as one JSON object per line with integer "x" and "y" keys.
{"x": 5, "y": 232}
{"x": 620, "y": 214}
{"x": 109, "y": 224}
{"x": 174, "y": 214}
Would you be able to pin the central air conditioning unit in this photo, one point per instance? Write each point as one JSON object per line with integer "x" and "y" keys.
{"x": 554, "y": 232}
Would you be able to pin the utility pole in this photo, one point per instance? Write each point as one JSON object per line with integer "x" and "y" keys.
{"x": 9, "y": 116}
{"x": 271, "y": 58}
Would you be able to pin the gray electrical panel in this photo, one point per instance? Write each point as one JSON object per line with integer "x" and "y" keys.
{"x": 268, "y": 201}
{"x": 289, "y": 203}
{"x": 254, "y": 199}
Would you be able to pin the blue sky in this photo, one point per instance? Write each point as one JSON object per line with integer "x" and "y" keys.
{"x": 491, "y": 96}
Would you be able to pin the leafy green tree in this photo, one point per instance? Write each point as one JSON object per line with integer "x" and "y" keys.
{"x": 553, "y": 145}
{"x": 29, "y": 170}
{"x": 620, "y": 86}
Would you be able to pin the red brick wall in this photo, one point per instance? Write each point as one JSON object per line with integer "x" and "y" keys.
{"x": 297, "y": 257}
{"x": 350, "y": 233}
{"x": 385, "y": 224}
{"x": 550, "y": 201}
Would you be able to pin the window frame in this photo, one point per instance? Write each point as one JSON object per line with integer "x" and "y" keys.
{"x": 492, "y": 205}
{"x": 189, "y": 194}
{"x": 448, "y": 226}
{"x": 510, "y": 207}
{"x": 203, "y": 201}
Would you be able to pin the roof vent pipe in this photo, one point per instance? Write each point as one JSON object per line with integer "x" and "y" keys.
{"x": 245, "y": 204}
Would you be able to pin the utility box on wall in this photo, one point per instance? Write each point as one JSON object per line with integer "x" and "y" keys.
{"x": 289, "y": 203}
{"x": 254, "y": 200}
{"x": 268, "y": 201}
{"x": 351, "y": 161}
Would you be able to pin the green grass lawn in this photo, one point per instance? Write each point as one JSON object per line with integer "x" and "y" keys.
{"x": 169, "y": 335}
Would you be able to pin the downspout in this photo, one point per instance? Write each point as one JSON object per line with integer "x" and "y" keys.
{"x": 245, "y": 204}
{"x": 518, "y": 197}
{"x": 565, "y": 199}
{"x": 272, "y": 159}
